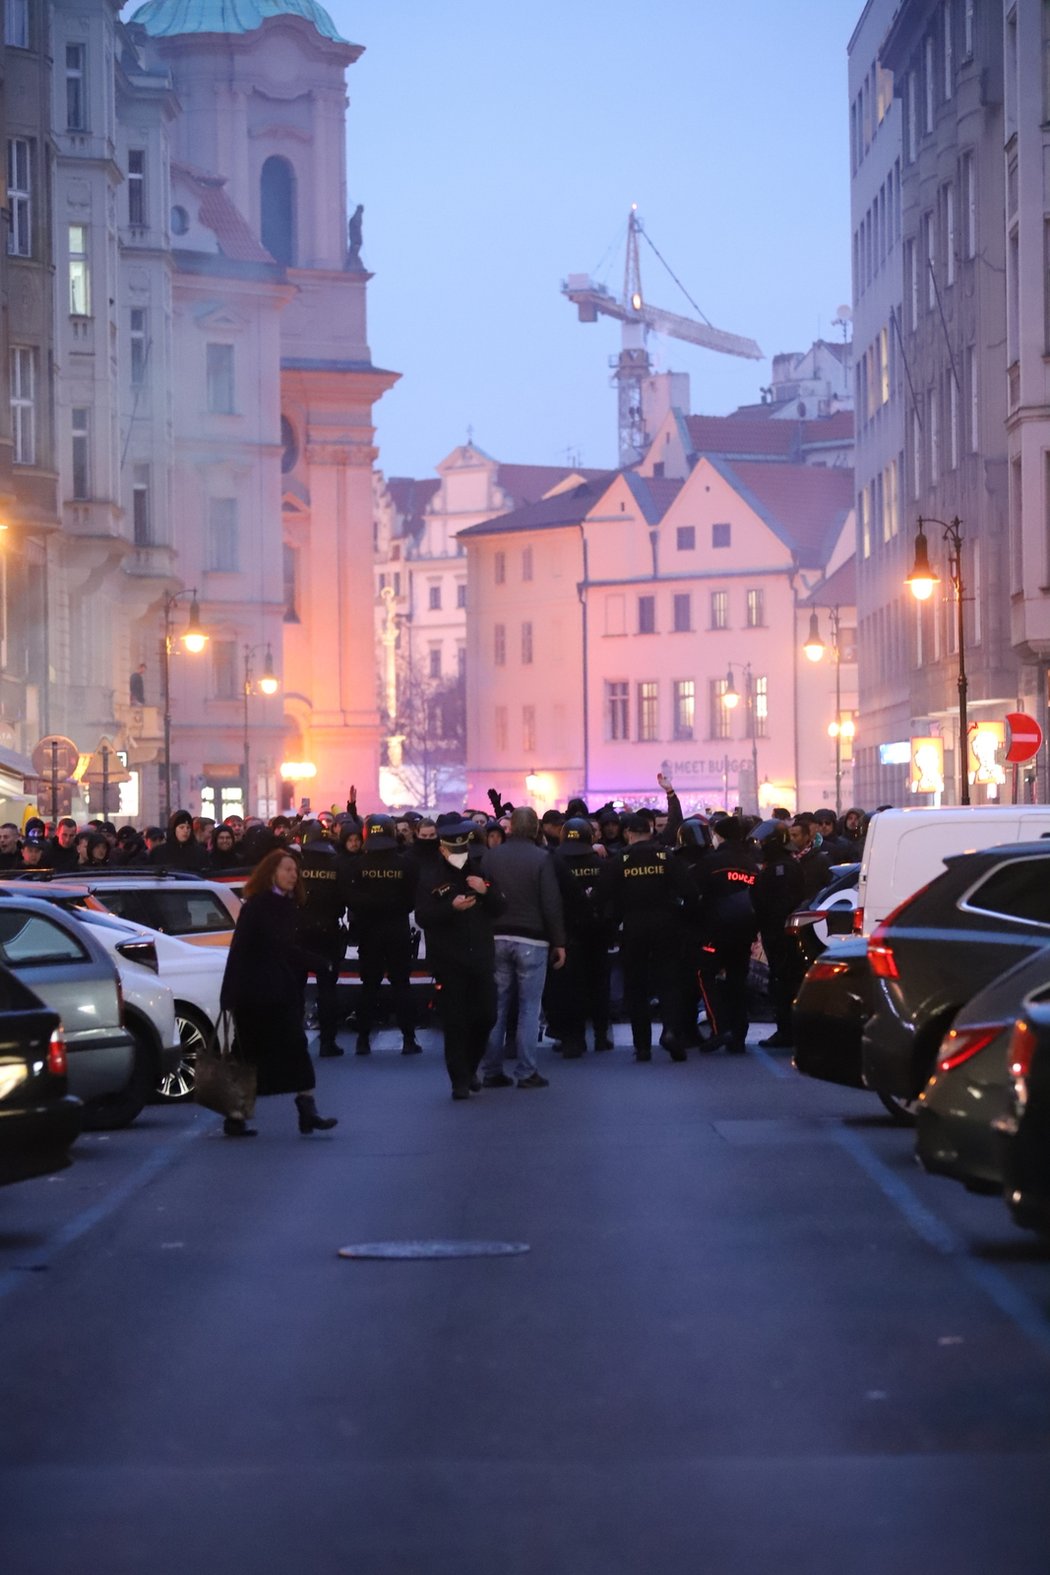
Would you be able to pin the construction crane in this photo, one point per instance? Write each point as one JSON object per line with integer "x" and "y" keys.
{"x": 632, "y": 366}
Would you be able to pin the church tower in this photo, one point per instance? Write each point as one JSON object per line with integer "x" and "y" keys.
{"x": 262, "y": 91}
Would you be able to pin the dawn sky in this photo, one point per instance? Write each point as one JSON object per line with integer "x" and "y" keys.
{"x": 497, "y": 148}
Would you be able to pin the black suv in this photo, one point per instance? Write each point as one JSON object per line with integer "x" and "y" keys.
{"x": 986, "y": 912}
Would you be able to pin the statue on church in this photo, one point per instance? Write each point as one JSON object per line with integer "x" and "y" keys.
{"x": 353, "y": 256}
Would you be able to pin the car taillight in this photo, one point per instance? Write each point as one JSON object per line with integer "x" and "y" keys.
{"x": 959, "y": 1044}
{"x": 858, "y": 921}
{"x": 1022, "y": 1048}
{"x": 57, "y": 1064}
{"x": 881, "y": 960}
{"x": 827, "y": 970}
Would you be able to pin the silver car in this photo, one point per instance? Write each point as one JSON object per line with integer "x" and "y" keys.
{"x": 71, "y": 971}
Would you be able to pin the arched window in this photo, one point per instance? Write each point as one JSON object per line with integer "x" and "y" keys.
{"x": 277, "y": 188}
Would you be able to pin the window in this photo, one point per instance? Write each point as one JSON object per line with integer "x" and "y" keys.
{"x": 179, "y": 220}
{"x": 526, "y": 644}
{"x": 461, "y": 661}
{"x": 756, "y": 609}
{"x": 499, "y": 645}
{"x": 499, "y": 568}
{"x": 1018, "y": 890}
{"x": 949, "y": 60}
{"x": 461, "y": 593}
{"x": 79, "y": 417}
{"x": 929, "y": 84}
{"x": 969, "y": 201}
{"x": 616, "y": 711}
{"x": 648, "y": 712}
{"x": 891, "y": 502}
{"x": 929, "y": 259}
{"x": 219, "y": 376}
{"x": 501, "y": 729}
{"x": 277, "y": 210}
{"x": 28, "y": 940}
{"x": 224, "y": 669}
{"x": 685, "y": 538}
{"x": 76, "y": 97}
{"x": 864, "y": 520}
{"x": 290, "y": 561}
{"x": 19, "y": 198}
{"x": 967, "y": 43}
{"x": 972, "y": 385}
{"x": 953, "y": 421}
{"x": 933, "y": 413}
{"x": 911, "y": 284}
{"x": 528, "y": 729}
{"x": 916, "y": 456}
{"x": 684, "y": 707}
{"x": 912, "y": 117}
{"x": 720, "y": 609}
{"x": 79, "y": 272}
{"x": 139, "y": 345}
{"x": 434, "y": 597}
{"x": 526, "y": 563}
{"x": 721, "y": 722}
{"x": 223, "y": 554}
{"x": 16, "y": 23}
{"x": 761, "y": 707}
{"x": 136, "y": 186}
{"x": 683, "y": 613}
{"x": 647, "y": 615}
{"x": 721, "y": 535}
{"x": 948, "y": 200}
{"x": 23, "y": 405}
{"x": 434, "y": 662}
{"x": 141, "y": 521}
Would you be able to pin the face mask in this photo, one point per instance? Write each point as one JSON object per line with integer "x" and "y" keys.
{"x": 458, "y": 859}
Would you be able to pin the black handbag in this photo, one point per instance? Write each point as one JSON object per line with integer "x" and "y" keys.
{"x": 225, "y": 1081}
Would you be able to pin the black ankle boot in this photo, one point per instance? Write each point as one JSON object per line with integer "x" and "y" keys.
{"x": 309, "y": 1120}
{"x": 237, "y": 1126}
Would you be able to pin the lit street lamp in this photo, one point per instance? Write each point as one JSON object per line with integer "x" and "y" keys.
{"x": 921, "y": 582}
{"x": 268, "y": 684}
{"x": 194, "y": 639}
{"x": 731, "y": 699}
{"x": 814, "y": 648}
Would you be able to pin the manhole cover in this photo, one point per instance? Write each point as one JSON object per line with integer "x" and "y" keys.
{"x": 434, "y": 1249}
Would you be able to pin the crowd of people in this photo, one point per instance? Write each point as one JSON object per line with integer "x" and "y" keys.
{"x": 526, "y": 918}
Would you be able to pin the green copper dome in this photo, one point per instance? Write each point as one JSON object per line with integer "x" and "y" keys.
{"x": 168, "y": 18}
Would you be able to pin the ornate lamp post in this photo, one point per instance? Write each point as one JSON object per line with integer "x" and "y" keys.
{"x": 921, "y": 582}
{"x": 814, "y": 648}
{"x": 268, "y": 684}
{"x": 731, "y": 699}
{"x": 194, "y": 639}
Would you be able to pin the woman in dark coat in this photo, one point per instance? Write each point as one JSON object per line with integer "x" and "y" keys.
{"x": 261, "y": 988}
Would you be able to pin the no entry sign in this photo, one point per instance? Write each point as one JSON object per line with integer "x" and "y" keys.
{"x": 1025, "y": 737}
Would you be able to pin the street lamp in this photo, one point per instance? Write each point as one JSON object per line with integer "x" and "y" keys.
{"x": 194, "y": 640}
{"x": 814, "y": 648}
{"x": 921, "y": 582}
{"x": 731, "y": 699}
{"x": 268, "y": 684}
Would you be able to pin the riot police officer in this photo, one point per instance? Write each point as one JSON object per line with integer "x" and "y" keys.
{"x": 725, "y": 884}
{"x": 381, "y": 894}
{"x": 648, "y": 890}
{"x": 580, "y": 990}
{"x": 319, "y": 926}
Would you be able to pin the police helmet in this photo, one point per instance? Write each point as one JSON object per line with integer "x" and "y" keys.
{"x": 770, "y": 835}
{"x": 312, "y": 831}
{"x": 693, "y": 833}
{"x": 577, "y": 830}
{"x": 380, "y": 833}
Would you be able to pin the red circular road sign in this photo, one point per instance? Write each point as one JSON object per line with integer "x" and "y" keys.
{"x": 1026, "y": 736}
{"x": 63, "y": 761}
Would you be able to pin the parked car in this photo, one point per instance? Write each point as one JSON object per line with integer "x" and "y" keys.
{"x": 968, "y": 1095}
{"x": 1025, "y": 1127}
{"x": 191, "y": 974}
{"x": 987, "y": 911}
{"x": 39, "y": 1118}
{"x": 71, "y": 971}
{"x": 829, "y": 1012}
{"x": 828, "y": 918}
{"x": 195, "y": 909}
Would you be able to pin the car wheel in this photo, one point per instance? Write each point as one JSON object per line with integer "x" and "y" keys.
{"x": 903, "y": 1111}
{"x": 194, "y": 1032}
{"x": 120, "y": 1110}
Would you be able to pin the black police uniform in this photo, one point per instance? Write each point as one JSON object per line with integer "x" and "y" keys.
{"x": 319, "y": 930}
{"x": 778, "y": 892}
{"x": 691, "y": 855}
{"x": 381, "y": 896}
{"x": 580, "y": 990}
{"x": 725, "y": 883}
{"x": 461, "y": 948}
{"x": 649, "y": 891}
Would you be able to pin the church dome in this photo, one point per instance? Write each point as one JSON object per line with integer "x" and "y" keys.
{"x": 169, "y": 18}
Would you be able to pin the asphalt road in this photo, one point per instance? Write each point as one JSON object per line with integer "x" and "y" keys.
{"x": 749, "y": 1336}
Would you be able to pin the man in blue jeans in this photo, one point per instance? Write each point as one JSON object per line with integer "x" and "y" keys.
{"x": 529, "y": 933}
